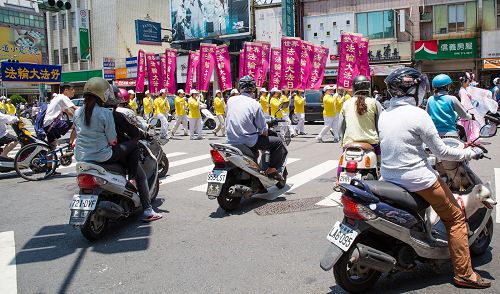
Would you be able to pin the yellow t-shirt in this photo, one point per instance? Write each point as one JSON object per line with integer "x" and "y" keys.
{"x": 167, "y": 104}
{"x": 299, "y": 104}
{"x": 180, "y": 104}
{"x": 148, "y": 104}
{"x": 275, "y": 105}
{"x": 264, "y": 102}
{"x": 194, "y": 108}
{"x": 2, "y": 106}
{"x": 329, "y": 104}
{"x": 133, "y": 104}
{"x": 159, "y": 105}
{"x": 219, "y": 106}
{"x": 10, "y": 109}
{"x": 284, "y": 98}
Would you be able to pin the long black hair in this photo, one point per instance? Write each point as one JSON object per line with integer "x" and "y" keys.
{"x": 89, "y": 102}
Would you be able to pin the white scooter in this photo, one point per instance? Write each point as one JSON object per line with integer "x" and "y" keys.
{"x": 358, "y": 161}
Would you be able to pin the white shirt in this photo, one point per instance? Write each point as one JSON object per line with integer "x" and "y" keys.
{"x": 4, "y": 120}
{"x": 56, "y": 107}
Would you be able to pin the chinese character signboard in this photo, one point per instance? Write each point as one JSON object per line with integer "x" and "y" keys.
{"x": 147, "y": 32}
{"x": 23, "y": 45}
{"x": 287, "y": 14}
{"x": 83, "y": 35}
{"x": 171, "y": 66}
{"x": 275, "y": 70}
{"x": 141, "y": 71}
{"x": 491, "y": 63}
{"x": 163, "y": 71}
{"x": 253, "y": 59}
{"x": 318, "y": 67}
{"x": 205, "y": 66}
{"x": 446, "y": 49}
{"x": 306, "y": 61}
{"x": 193, "y": 59}
{"x": 291, "y": 49}
{"x": 349, "y": 59}
{"x": 153, "y": 73}
{"x": 262, "y": 74}
{"x": 223, "y": 67}
{"x": 29, "y": 72}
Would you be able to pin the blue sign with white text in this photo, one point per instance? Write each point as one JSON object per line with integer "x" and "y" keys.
{"x": 30, "y": 72}
{"x": 147, "y": 32}
{"x": 131, "y": 62}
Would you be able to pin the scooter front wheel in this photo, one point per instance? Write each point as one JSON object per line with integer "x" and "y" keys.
{"x": 95, "y": 227}
{"x": 482, "y": 243}
{"x": 163, "y": 166}
{"x": 282, "y": 184}
{"x": 210, "y": 124}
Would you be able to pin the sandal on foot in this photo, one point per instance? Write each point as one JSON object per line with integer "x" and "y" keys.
{"x": 480, "y": 283}
{"x": 151, "y": 218}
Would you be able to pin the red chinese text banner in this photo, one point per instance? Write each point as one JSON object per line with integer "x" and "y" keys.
{"x": 206, "y": 66}
{"x": 291, "y": 49}
{"x": 223, "y": 67}
{"x": 193, "y": 59}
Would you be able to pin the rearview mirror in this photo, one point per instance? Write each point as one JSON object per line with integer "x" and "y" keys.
{"x": 488, "y": 131}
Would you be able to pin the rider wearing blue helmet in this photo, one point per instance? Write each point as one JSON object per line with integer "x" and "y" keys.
{"x": 443, "y": 107}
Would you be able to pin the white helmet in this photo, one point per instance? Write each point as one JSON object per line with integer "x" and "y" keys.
{"x": 234, "y": 91}
{"x": 495, "y": 80}
{"x": 2, "y": 98}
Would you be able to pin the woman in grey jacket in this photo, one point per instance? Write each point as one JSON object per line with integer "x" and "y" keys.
{"x": 404, "y": 164}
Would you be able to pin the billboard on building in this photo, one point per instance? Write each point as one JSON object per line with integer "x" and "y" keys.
{"x": 268, "y": 25}
{"x": 84, "y": 34}
{"x": 20, "y": 44}
{"x": 195, "y": 19}
{"x": 147, "y": 32}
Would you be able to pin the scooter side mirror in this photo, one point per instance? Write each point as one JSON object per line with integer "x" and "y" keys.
{"x": 488, "y": 131}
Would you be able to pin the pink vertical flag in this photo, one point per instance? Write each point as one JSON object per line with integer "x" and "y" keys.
{"x": 163, "y": 71}
{"x": 253, "y": 59}
{"x": 306, "y": 60}
{"x": 141, "y": 71}
{"x": 275, "y": 70}
{"x": 242, "y": 64}
{"x": 290, "y": 63}
{"x": 193, "y": 59}
{"x": 364, "y": 63}
{"x": 170, "y": 82}
{"x": 153, "y": 73}
{"x": 320, "y": 55}
{"x": 261, "y": 76}
{"x": 348, "y": 60}
{"x": 206, "y": 66}
{"x": 223, "y": 67}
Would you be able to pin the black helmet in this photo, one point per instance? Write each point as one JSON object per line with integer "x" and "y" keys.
{"x": 247, "y": 85}
{"x": 407, "y": 81}
{"x": 361, "y": 85}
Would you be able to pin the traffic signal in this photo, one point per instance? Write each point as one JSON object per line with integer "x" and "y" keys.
{"x": 53, "y": 5}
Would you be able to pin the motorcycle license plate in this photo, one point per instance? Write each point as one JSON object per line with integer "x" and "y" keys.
{"x": 342, "y": 236}
{"x": 217, "y": 176}
{"x": 345, "y": 178}
{"x": 80, "y": 207}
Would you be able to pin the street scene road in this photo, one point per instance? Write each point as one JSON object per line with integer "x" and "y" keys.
{"x": 266, "y": 246}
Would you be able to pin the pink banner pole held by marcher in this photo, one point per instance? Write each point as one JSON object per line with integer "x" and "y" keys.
{"x": 290, "y": 63}
{"x": 364, "y": 62}
{"x": 193, "y": 59}
{"x": 261, "y": 76}
{"x": 242, "y": 64}
{"x": 275, "y": 70}
{"x": 223, "y": 67}
{"x": 206, "y": 66}
{"x": 153, "y": 73}
{"x": 170, "y": 80}
{"x": 141, "y": 71}
{"x": 320, "y": 55}
{"x": 348, "y": 60}
{"x": 306, "y": 58}
{"x": 253, "y": 59}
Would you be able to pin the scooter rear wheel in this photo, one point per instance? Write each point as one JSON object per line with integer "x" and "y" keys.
{"x": 95, "y": 227}
{"x": 229, "y": 203}
{"x": 210, "y": 124}
{"x": 163, "y": 166}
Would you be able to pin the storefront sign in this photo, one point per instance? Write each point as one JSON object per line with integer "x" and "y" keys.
{"x": 131, "y": 61}
{"x": 84, "y": 35}
{"x": 22, "y": 45}
{"x": 490, "y": 44}
{"x": 491, "y": 63}
{"x": 108, "y": 62}
{"x": 287, "y": 14}
{"x": 446, "y": 49}
{"x": 125, "y": 83}
{"x": 121, "y": 73}
{"x": 108, "y": 73}
{"x": 147, "y": 32}
{"x": 29, "y": 72}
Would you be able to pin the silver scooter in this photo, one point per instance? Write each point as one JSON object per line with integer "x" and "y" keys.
{"x": 239, "y": 171}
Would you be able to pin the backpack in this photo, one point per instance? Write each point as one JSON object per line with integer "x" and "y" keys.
{"x": 40, "y": 132}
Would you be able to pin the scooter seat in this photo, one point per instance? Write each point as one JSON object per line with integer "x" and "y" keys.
{"x": 112, "y": 167}
{"x": 362, "y": 145}
{"x": 247, "y": 150}
{"x": 393, "y": 194}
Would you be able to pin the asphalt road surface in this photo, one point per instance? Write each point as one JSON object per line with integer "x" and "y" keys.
{"x": 265, "y": 247}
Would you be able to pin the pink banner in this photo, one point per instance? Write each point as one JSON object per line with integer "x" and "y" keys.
{"x": 141, "y": 71}
{"x": 290, "y": 63}
{"x": 364, "y": 63}
{"x": 275, "y": 70}
{"x": 306, "y": 60}
{"x": 163, "y": 71}
{"x": 205, "y": 66}
{"x": 320, "y": 55}
{"x": 170, "y": 82}
{"x": 348, "y": 60}
{"x": 153, "y": 73}
{"x": 261, "y": 76}
{"x": 223, "y": 67}
{"x": 193, "y": 60}
{"x": 242, "y": 64}
{"x": 253, "y": 59}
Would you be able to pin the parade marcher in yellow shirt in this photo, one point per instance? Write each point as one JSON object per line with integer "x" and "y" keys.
{"x": 10, "y": 108}
{"x": 264, "y": 101}
{"x": 2, "y": 104}
{"x": 180, "y": 113}
{"x": 195, "y": 121}
{"x": 132, "y": 102}
{"x": 329, "y": 114}
{"x": 220, "y": 112}
{"x": 161, "y": 109}
{"x": 299, "y": 103}
{"x": 147, "y": 103}
{"x": 275, "y": 103}
{"x": 286, "y": 112}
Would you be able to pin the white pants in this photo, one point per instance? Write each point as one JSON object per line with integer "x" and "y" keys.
{"x": 180, "y": 119}
{"x": 221, "y": 126}
{"x": 286, "y": 117}
{"x": 331, "y": 123}
{"x": 300, "y": 128}
{"x": 195, "y": 126}
{"x": 164, "y": 124}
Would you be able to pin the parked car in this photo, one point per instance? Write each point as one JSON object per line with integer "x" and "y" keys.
{"x": 314, "y": 108}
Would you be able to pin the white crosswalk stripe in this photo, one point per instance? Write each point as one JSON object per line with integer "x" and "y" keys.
{"x": 187, "y": 174}
{"x": 203, "y": 187}
{"x": 8, "y": 276}
{"x": 331, "y": 200}
{"x": 189, "y": 160}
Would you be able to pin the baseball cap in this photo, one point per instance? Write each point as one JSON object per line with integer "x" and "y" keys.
{"x": 193, "y": 91}
{"x": 131, "y": 92}
{"x": 180, "y": 91}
